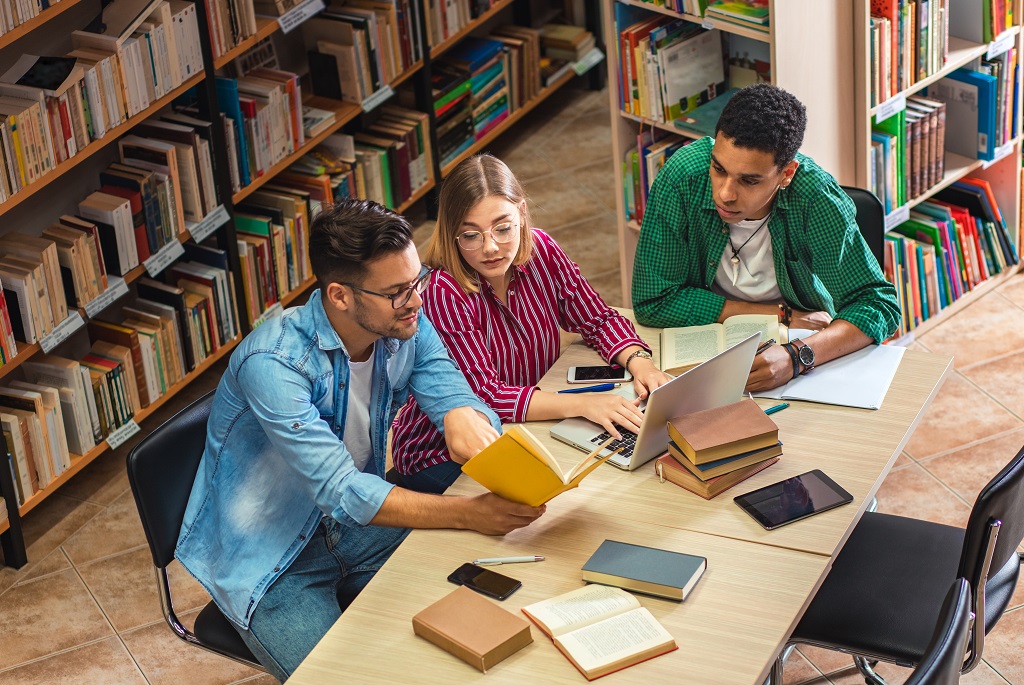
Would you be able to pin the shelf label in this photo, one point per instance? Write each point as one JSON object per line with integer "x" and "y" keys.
{"x": 1001, "y": 44}
{"x": 708, "y": 24}
{"x": 296, "y": 15}
{"x": 210, "y": 223}
{"x": 121, "y": 435}
{"x": 116, "y": 288}
{"x": 377, "y": 98}
{"x": 1001, "y": 152}
{"x": 164, "y": 257}
{"x": 62, "y": 331}
{"x": 588, "y": 61}
{"x": 897, "y": 217}
{"x": 894, "y": 105}
{"x": 273, "y": 310}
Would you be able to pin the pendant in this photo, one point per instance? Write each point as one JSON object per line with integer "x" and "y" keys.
{"x": 735, "y": 269}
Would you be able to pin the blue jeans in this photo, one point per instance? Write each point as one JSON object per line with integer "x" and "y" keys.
{"x": 433, "y": 479}
{"x": 306, "y": 600}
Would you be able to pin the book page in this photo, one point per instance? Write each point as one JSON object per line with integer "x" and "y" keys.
{"x": 690, "y": 345}
{"x": 530, "y": 442}
{"x": 617, "y": 641}
{"x": 740, "y": 327}
{"x": 580, "y": 608}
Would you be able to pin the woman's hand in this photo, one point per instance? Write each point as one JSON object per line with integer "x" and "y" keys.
{"x": 812, "y": 321}
{"x": 608, "y": 409}
{"x": 647, "y": 377}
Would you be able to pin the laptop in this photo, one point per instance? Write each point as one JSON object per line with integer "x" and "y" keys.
{"x": 717, "y": 382}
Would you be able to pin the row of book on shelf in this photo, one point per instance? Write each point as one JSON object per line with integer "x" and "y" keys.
{"x": 641, "y": 165}
{"x": 745, "y": 13}
{"x": 909, "y": 41}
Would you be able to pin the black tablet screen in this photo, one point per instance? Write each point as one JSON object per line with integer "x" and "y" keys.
{"x": 792, "y": 499}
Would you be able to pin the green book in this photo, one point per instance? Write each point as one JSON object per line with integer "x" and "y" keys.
{"x": 704, "y": 119}
{"x": 647, "y": 570}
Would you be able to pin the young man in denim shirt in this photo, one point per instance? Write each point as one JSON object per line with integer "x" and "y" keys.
{"x": 289, "y": 516}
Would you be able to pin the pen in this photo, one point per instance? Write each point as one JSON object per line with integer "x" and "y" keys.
{"x": 591, "y": 388}
{"x": 777, "y": 407}
{"x": 764, "y": 346}
{"x": 497, "y": 561}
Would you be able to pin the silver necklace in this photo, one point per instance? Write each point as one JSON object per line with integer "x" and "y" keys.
{"x": 735, "y": 259}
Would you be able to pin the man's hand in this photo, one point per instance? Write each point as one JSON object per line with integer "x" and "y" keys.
{"x": 771, "y": 368}
{"x": 647, "y": 377}
{"x": 466, "y": 432}
{"x": 811, "y": 321}
{"x": 608, "y": 409}
{"x": 493, "y": 515}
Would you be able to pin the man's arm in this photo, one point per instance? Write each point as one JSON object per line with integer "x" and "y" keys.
{"x": 487, "y": 513}
{"x": 774, "y": 366}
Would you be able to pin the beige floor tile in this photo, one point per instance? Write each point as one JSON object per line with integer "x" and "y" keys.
{"x": 524, "y": 158}
{"x": 960, "y": 414}
{"x": 914, "y": 493}
{"x": 982, "y": 675}
{"x": 55, "y": 520}
{"x": 1003, "y": 647}
{"x": 105, "y": 661}
{"x": 609, "y": 287}
{"x": 558, "y": 200}
{"x": 101, "y": 482}
{"x": 826, "y": 660}
{"x": 54, "y": 562}
{"x": 49, "y": 615}
{"x": 166, "y": 660}
{"x": 115, "y": 530}
{"x": 894, "y": 675}
{"x": 966, "y": 471}
{"x": 967, "y": 336}
{"x": 125, "y": 587}
{"x": 800, "y": 671}
{"x": 262, "y": 679}
{"x": 586, "y": 138}
{"x": 591, "y": 243}
{"x": 1001, "y": 378}
{"x": 902, "y": 461}
{"x": 1013, "y": 289}
{"x": 599, "y": 179}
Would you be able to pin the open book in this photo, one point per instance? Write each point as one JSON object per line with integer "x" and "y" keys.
{"x": 519, "y": 468}
{"x": 601, "y": 629}
{"x": 684, "y": 348}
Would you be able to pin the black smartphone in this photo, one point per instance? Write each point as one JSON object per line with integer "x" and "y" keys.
{"x": 589, "y": 374}
{"x": 484, "y": 581}
{"x": 793, "y": 499}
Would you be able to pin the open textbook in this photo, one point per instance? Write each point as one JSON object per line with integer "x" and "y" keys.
{"x": 684, "y": 348}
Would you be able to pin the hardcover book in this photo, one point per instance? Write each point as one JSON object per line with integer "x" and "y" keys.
{"x": 671, "y": 469}
{"x": 648, "y": 570}
{"x": 726, "y": 431}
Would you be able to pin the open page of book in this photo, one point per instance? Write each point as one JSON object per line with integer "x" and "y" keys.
{"x": 616, "y": 642}
{"x": 690, "y": 345}
{"x": 534, "y": 446}
{"x": 579, "y": 608}
{"x": 740, "y": 327}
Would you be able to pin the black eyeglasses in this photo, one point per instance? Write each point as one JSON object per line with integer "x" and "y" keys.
{"x": 402, "y": 297}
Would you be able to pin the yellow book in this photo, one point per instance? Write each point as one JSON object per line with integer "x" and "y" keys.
{"x": 684, "y": 348}
{"x": 518, "y": 467}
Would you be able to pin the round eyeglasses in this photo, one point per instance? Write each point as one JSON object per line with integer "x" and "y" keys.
{"x": 474, "y": 240}
{"x": 402, "y": 297}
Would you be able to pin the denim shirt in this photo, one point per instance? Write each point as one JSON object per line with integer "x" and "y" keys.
{"x": 275, "y": 462}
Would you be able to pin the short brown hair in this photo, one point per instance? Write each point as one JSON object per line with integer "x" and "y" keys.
{"x": 473, "y": 180}
{"x": 345, "y": 237}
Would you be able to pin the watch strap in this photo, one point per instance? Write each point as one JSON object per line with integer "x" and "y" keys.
{"x": 639, "y": 353}
{"x": 791, "y": 349}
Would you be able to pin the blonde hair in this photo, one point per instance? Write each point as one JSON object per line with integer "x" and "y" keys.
{"x": 476, "y": 178}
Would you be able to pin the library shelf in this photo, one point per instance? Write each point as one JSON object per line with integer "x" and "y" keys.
{"x": 633, "y": 226}
{"x": 294, "y": 294}
{"x": 25, "y": 351}
{"x": 265, "y": 27}
{"x": 413, "y": 68}
{"x": 710, "y": 22}
{"x": 345, "y": 112}
{"x": 439, "y": 49}
{"x": 416, "y": 196}
{"x": 95, "y": 146}
{"x": 35, "y": 22}
{"x": 79, "y": 462}
{"x": 544, "y": 94}
{"x": 644, "y": 121}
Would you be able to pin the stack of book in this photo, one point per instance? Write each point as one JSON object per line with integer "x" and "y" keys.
{"x": 747, "y": 13}
{"x": 710, "y": 451}
{"x": 487, "y": 63}
{"x": 898, "y": 62}
{"x": 565, "y": 41}
{"x": 523, "y": 46}
{"x": 446, "y": 17}
{"x": 922, "y": 143}
{"x": 642, "y": 164}
{"x": 453, "y": 109}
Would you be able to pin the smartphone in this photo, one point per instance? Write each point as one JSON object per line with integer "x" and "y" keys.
{"x": 793, "y": 499}
{"x": 598, "y": 374}
{"x": 484, "y": 581}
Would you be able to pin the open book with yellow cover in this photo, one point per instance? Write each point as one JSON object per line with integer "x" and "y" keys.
{"x": 684, "y": 348}
{"x": 518, "y": 467}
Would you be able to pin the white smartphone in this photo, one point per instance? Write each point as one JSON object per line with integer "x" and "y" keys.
{"x": 598, "y": 374}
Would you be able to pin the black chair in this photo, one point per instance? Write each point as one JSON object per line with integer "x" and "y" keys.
{"x": 945, "y": 655}
{"x": 870, "y": 220}
{"x": 881, "y": 599}
{"x": 161, "y": 470}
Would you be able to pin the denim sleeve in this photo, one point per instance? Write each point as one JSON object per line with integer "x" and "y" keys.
{"x": 281, "y": 400}
{"x": 437, "y": 383}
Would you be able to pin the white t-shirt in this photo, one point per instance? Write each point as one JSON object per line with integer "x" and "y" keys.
{"x": 756, "y": 280}
{"x": 357, "y": 417}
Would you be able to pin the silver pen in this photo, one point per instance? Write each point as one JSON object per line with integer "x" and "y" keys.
{"x": 497, "y": 561}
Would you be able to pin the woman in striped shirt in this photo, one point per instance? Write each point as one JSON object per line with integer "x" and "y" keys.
{"x": 500, "y": 295}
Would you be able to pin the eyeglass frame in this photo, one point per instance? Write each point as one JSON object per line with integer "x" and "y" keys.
{"x": 419, "y": 285}
{"x": 512, "y": 224}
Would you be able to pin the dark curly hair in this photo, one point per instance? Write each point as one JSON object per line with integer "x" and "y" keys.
{"x": 347, "y": 236}
{"x": 767, "y": 118}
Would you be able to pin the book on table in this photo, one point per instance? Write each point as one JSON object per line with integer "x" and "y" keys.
{"x": 519, "y": 468}
{"x": 721, "y": 432}
{"x": 649, "y": 570}
{"x": 680, "y": 472}
{"x": 686, "y": 347}
{"x": 719, "y": 467}
{"x": 601, "y": 629}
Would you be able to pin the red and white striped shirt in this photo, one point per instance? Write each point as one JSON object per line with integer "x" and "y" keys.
{"x": 505, "y": 350}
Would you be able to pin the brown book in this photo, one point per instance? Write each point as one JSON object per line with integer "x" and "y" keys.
{"x": 670, "y": 469}
{"x": 720, "y": 467}
{"x": 473, "y": 628}
{"x": 129, "y": 338}
{"x": 722, "y": 432}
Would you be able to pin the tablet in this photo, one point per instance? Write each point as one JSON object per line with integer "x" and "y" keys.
{"x": 793, "y": 499}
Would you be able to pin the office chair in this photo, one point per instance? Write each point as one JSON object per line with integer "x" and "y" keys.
{"x": 945, "y": 655}
{"x": 870, "y": 220}
{"x": 161, "y": 470}
{"x": 880, "y": 601}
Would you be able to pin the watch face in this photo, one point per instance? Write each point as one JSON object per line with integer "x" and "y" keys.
{"x": 806, "y": 356}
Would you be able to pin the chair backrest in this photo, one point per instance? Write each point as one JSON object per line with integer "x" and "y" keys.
{"x": 161, "y": 470}
{"x": 870, "y": 220}
{"x": 945, "y": 654}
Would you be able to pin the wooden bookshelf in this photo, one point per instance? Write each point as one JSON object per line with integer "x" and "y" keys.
{"x": 669, "y": 126}
{"x": 293, "y": 295}
{"x": 439, "y": 49}
{"x": 721, "y": 24}
{"x": 95, "y": 146}
{"x": 405, "y": 75}
{"x": 416, "y": 196}
{"x": 35, "y": 22}
{"x": 265, "y": 27}
{"x": 24, "y": 352}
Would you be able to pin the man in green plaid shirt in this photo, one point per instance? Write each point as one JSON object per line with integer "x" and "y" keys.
{"x": 743, "y": 224}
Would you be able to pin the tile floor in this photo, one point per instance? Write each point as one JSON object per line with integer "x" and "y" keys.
{"x": 85, "y": 609}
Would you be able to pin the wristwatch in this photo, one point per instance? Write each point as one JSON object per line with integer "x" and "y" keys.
{"x": 805, "y": 354}
{"x": 791, "y": 349}
{"x": 643, "y": 354}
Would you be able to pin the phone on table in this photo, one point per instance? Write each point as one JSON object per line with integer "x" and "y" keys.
{"x": 484, "y": 581}
{"x": 793, "y": 499}
{"x": 598, "y": 374}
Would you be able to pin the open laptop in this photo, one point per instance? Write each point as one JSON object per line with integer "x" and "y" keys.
{"x": 717, "y": 382}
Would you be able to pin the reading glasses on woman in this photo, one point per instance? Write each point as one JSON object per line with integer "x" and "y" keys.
{"x": 402, "y": 297}
{"x": 501, "y": 234}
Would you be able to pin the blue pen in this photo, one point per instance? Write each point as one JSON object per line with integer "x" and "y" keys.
{"x": 591, "y": 388}
{"x": 777, "y": 407}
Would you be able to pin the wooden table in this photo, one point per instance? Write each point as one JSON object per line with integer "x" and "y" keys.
{"x": 736, "y": 620}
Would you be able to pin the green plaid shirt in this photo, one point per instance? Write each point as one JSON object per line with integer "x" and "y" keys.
{"x": 821, "y": 260}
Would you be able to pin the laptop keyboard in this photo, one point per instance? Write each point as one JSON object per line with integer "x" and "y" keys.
{"x": 628, "y": 442}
